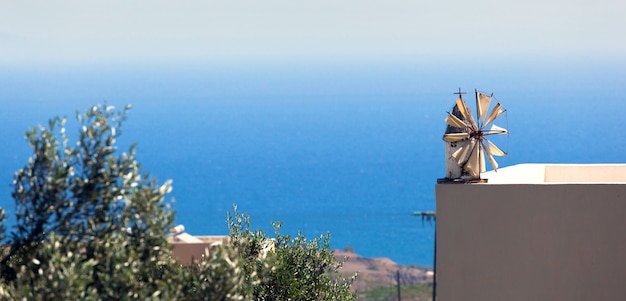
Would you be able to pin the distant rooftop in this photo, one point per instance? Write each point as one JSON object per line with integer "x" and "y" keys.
{"x": 558, "y": 174}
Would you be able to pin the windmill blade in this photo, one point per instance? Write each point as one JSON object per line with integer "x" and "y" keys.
{"x": 456, "y": 122}
{"x": 473, "y": 165}
{"x": 495, "y": 113}
{"x": 460, "y": 104}
{"x": 455, "y": 137}
{"x": 481, "y": 154}
{"x": 467, "y": 113}
{"x": 494, "y": 150}
{"x": 496, "y": 130}
{"x": 493, "y": 162}
{"x": 482, "y": 105}
{"x": 461, "y": 155}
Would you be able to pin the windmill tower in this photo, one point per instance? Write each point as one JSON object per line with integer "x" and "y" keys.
{"x": 466, "y": 139}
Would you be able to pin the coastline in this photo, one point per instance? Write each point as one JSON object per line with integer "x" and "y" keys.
{"x": 378, "y": 276}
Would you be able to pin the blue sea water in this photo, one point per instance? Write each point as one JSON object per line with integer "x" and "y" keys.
{"x": 350, "y": 149}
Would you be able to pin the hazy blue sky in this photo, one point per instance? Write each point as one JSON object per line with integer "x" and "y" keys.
{"x": 149, "y": 30}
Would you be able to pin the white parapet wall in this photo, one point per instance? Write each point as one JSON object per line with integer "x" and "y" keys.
{"x": 558, "y": 173}
{"x": 534, "y": 232}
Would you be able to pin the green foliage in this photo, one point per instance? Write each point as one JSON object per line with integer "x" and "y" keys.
{"x": 288, "y": 268}
{"x": 91, "y": 225}
{"x": 87, "y": 218}
{"x": 216, "y": 276}
{"x": 60, "y": 274}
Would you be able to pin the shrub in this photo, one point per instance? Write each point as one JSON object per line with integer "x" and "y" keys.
{"x": 286, "y": 267}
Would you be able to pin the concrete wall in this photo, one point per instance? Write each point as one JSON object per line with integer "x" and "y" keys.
{"x": 531, "y": 242}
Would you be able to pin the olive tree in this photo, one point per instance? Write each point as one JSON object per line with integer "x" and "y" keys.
{"x": 85, "y": 210}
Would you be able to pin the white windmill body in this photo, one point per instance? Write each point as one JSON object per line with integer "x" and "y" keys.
{"x": 466, "y": 138}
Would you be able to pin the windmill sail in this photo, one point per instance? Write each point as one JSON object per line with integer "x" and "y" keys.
{"x": 482, "y": 105}
{"x": 496, "y": 151}
{"x": 455, "y": 137}
{"x": 456, "y": 122}
{"x": 490, "y": 155}
{"x": 463, "y": 151}
{"x": 465, "y": 112}
{"x": 475, "y": 164}
{"x": 496, "y": 130}
{"x": 495, "y": 113}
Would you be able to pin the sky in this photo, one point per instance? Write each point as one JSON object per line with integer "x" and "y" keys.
{"x": 78, "y": 31}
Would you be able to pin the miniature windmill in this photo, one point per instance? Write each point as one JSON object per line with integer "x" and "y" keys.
{"x": 466, "y": 138}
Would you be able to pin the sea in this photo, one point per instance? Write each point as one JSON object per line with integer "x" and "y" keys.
{"x": 347, "y": 148}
